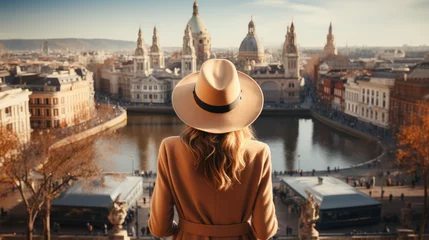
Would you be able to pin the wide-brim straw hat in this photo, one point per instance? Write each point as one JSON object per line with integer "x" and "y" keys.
{"x": 218, "y": 98}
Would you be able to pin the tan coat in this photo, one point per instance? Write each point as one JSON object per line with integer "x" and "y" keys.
{"x": 179, "y": 184}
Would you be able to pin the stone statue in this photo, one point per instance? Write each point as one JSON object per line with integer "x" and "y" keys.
{"x": 406, "y": 216}
{"x": 308, "y": 218}
{"x": 117, "y": 214}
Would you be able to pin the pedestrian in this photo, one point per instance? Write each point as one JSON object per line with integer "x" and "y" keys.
{"x": 370, "y": 193}
{"x": 144, "y": 200}
{"x": 390, "y": 197}
{"x": 314, "y": 171}
{"x": 402, "y": 197}
{"x": 133, "y": 231}
{"x": 105, "y": 229}
{"x": 143, "y": 230}
{"x": 329, "y": 169}
{"x": 90, "y": 228}
{"x": 386, "y": 229}
{"x": 147, "y": 230}
{"x": 217, "y": 105}
{"x": 287, "y": 230}
{"x": 382, "y": 194}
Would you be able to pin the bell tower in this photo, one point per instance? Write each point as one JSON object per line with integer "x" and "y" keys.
{"x": 291, "y": 54}
{"x": 156, "y": 54}
{"x": 189, "y": 59}
{"x": 141, "y": 58}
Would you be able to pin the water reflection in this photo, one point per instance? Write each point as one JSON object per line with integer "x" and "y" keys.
{"x": 294, "y": 143}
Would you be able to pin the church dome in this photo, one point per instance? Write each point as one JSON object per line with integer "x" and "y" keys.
{"x": 197, "y": 25}
{"x": 251, "y": 43}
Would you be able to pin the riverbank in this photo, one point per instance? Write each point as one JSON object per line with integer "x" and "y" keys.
{"x": 353, "y": 132}
{"x": 119, "y": 120}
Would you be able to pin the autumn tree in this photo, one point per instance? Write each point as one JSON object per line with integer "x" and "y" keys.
{"x": 413, "y": 153}
{"x": 44, "y": 167}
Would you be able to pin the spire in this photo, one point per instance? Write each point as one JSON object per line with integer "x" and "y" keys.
{"x": 155, "y": 41}
{"x": 195, "y": 13}
{"x": 330, "y": 28}
{"x": 251, "y": 26}
{"x": 292, "y": 27}
{"x": 140, "y": 39}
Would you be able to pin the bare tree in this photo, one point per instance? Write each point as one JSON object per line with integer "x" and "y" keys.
{"x": 44, "y": 167}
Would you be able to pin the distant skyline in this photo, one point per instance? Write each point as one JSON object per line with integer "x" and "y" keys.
{"x": 355, "y": 22}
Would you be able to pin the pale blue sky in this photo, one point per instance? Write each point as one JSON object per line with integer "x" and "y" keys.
{"x": 356, "y": 22}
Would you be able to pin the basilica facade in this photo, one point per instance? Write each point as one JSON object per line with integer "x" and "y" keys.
{"x": 279, "y": 82}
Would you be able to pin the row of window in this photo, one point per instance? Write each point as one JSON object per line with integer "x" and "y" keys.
{"x": 292, "y": 64}
{"x": 352, "y": 96}
{"x": 155, "y": 87}
{"x": 150, "y": 96}
{"x": 43, "y": 124}
{"x": 46, "y": 112}
{"x": 373, "y": 115}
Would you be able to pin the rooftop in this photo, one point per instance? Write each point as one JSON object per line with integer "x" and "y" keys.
{"x": 97, "y": 193}
{"x": 332, "y": 193}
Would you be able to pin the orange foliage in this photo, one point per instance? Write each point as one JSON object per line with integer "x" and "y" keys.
{"x": 413, "y": 144}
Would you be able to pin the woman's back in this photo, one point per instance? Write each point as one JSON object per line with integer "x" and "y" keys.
{"x": 218, "y": 178}
{"x": 198, "y": 200}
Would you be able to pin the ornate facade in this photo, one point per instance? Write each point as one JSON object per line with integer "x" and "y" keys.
{"x": 280, "y": 83}
{"x": 330, "y": 48}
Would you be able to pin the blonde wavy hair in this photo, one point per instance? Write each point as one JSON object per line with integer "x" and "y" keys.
{"x": 220, "y": 156}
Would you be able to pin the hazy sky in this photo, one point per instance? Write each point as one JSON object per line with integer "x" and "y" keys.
{"x": 355, "y": 22}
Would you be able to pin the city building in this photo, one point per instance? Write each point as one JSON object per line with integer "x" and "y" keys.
{"x": 153, "y": 89}
{"x": 375, "y": 91}
{"x": 330, "y": 88}
{"x": 90, "y": 202}
{"x": 201, "y": 37}
{"x": 330, "y": 48}
{"x": 391, "y": 54}
{"x": 280, "y": 83}
{"x": 409, "y": 93}
{"x": 63, "y": 98}
{"x": 341, "y": 205}
{"x": 14, "y": 111}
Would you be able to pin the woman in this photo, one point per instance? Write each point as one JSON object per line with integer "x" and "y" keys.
{"x": 215, "y": 174}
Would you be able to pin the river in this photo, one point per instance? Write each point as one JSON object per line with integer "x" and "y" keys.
{"x": 295, "y": 143}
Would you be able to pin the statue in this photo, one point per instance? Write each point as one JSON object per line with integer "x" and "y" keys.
{"x": 117, "y": 214}
{"x": 308, "y": 218}
{"x": 406, "y": 216}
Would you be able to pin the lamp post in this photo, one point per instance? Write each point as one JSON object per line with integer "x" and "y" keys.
{"x": 299, "y": 162}
{"x": 137, "y": 220}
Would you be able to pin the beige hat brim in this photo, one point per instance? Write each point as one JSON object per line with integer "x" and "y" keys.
{"x": 244, "y": 114}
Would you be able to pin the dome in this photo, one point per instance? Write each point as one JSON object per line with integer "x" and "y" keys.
{"x": 251, "y": 43}
{"x": 197, "y": 25}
